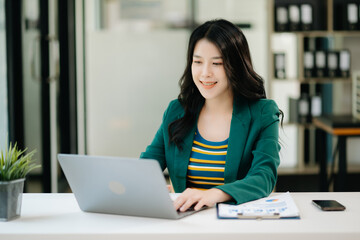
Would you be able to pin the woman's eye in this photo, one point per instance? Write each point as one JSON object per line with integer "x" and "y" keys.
{"x": 197, "y": 62}
{"x": 218, "y": 63}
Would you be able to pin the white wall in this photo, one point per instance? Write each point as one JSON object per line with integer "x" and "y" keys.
{"x": 131, "y": 77}
{"x": 288, "y": 136}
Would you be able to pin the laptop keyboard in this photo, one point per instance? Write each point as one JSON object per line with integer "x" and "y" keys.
{"x": 187, "y": 212}
{"x": 190, "y": 211}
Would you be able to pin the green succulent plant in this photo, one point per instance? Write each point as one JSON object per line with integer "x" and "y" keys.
{"x": 14, "y": 164}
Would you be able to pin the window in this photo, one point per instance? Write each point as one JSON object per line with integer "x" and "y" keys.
{"x": 3, "y": 80}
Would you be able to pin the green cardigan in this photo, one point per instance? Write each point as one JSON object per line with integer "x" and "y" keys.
{"x": 253, "y": 150}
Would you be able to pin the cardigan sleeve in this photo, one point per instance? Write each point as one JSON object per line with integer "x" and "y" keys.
{"x": 261, "y": 178}
{"x": 156, "y": 150}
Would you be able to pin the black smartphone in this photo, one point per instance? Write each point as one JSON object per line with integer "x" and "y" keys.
{"x": 329, "y": 205}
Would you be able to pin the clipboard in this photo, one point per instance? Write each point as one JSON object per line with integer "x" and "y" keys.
{"x": 276, "y": 206}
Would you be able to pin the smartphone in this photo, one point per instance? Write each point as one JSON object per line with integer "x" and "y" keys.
{"x": 329, "y": 205}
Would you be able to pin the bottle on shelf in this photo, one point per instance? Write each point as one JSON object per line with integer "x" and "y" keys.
{"x": 279, "y": 63}
{"x": 352, "y": 16}
{"x": 333, "y": 64}
{"x": 344, "y": 63}
{"x": 306, "y": 12}
{"x": 281, "y": 19}
{"x": 294, "y": 17}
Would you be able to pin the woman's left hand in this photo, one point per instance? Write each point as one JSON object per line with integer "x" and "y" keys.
{"x": 200, "y": 198}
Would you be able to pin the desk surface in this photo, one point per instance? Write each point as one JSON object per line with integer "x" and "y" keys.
{"x": 57, "y": 216}
{"x": 345, "y": 125}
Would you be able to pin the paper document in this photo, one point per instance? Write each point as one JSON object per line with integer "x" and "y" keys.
{"x": 274, "y": 206}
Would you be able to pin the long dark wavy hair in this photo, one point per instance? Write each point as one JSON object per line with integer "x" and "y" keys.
{"x": 243, "y": 80}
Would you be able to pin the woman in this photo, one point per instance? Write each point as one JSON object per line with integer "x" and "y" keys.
{"x": 219, "y": 139}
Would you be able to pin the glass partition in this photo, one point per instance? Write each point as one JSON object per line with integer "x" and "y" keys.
{"x": 134, "y": 57}
{"x": 3, "y": 80}
{"x": 135, "y": 52}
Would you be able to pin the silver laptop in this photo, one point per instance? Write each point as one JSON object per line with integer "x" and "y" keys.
{"x": 115, "y": 185}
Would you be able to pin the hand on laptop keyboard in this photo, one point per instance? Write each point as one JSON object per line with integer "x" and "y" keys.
{"x": 190, "y": 209}
{"x": 198, "y": 199}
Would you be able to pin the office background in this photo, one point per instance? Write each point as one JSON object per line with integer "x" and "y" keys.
{"x": 94, "y": 77}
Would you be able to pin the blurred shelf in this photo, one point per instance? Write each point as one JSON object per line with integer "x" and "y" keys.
{"x": 310, "y": 170}
{"x": 313, "y": 80}
{"x": 304, "y": 125}
{"x": 325, "y": 80}
{"x": 323, "y": 33}
{"x": 353, "y": 168}
{"x": 285, "y": 79}
{"x": 293, "y": 45}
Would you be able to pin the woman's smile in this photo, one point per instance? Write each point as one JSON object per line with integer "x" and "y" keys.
{"x": 207, "y": 84}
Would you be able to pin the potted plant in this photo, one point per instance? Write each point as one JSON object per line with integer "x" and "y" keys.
{"x": 14, "y": 166}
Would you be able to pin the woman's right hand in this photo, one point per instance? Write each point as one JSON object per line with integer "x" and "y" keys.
{"x": 200, "y": 198}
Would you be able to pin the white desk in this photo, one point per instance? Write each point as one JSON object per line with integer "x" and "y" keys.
{"x": 57, "y": 216}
